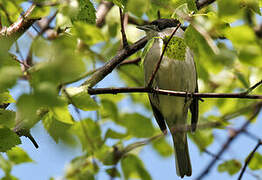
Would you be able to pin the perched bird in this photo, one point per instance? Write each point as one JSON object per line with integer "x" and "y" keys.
{"x": 177, "y": 72}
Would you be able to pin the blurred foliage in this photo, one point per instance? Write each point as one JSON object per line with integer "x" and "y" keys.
{"x": 231, "y": 166}
{"x": 228, "y": 57}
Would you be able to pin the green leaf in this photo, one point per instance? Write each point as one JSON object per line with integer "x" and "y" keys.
{"x": 120, "y": 3}
{"x": 57, "y": 68}
{"x": 131, "y": 74}
{"x": 17, "y": 155}
{"x": 11, "y": 75}
{"x": 5, "y": 98}
{"x": 132, "y": 166}
{"x": 81, "y": 168}
{"x": 240, "y": 36}
{"x": 256, "y": 162}
{"x": 90, "y": 34}
{"x": 148, "y": 46}
{"x": 40, "y": 12}
{"x": 8, "y": 138}
{"x": 114, "y": 135}
{"x": 5, "y": 165}
{"x": 26, "y": 115}
{"x": 9, "y": 177}
{"x": 242, "y": 79}
{"x": 231, "y": 166}
{"x": 176, "y": 49}
{"x": 56, "y": 129}
{"x": 252, "y": 4}
{"x": 46, "y": 95}
{"x": 89, "y": 134}
{"x": 162, "y": 147}
{"x": 138, "y": 7}
{"x": 137, "y": 125}
{"x": 86, "y": 13}
{"x": 228, "y": 8}
{"x": 182, "y": 13}
{"x": 109, "y": 110}
{"x": 82, "y": 99}
{"x": 202, "y": 139}
{"x": 7, "y": 118}
{"x": 113, "y": 172}
{"x": 61, "y": 113}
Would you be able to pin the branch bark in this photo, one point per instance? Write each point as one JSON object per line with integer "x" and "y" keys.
{"x": 14, "y": 31}
{"x": 123, "y": 54}
{"x": 93, "y": 91}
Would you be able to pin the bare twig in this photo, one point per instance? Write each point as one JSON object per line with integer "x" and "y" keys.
{"x": 120, "y": 56}
{"x": 251, "y": 155}
{"x": 228, "y": 142}
{"x": 253, "y": 87}
{"x": 133, "y": 61}
{"x": 124, "y": 39}
{"x": 93, "y": 91}
{"x": 114, "y": 62}
{"x": 149, "y": 83}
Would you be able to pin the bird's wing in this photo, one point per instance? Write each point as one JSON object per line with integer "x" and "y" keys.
{"x": 194, "y": 109}
{"x": 159, "y": 117}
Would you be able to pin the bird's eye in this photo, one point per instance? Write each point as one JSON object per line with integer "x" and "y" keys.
{"x": 156, "y": 28}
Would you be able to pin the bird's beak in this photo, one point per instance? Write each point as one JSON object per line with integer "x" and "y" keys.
{"x": 145, "y": 27}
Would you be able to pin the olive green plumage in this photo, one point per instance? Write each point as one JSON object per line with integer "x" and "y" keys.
{"x": 176, "y": 72}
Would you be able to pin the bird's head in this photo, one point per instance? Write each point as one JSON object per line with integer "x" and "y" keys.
{"x": 159, "y": 27}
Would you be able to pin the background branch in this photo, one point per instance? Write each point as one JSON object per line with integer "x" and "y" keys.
{"x": 228, "y": 142}
{"x": 249, "y": 159}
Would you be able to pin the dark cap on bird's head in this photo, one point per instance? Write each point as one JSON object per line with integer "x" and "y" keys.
{"x": 159, "y": 24}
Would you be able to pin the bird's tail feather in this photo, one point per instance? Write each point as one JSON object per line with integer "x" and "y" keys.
{"x": 183, "y": 164}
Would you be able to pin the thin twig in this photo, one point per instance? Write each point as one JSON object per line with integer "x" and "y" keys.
{"x": 251, "y": 155}
{"x": 124, "y": 39}
{"x": 133, "y": 61}
{"x": 228, "y": 142}
{"x": 161, "y": 57}
{"x": 249, "y": 90}
{"x": 122, "y": 55}
{"x": 93, "y": 91}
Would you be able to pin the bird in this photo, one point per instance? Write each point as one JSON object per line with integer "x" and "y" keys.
{"x": 175, "y": 73}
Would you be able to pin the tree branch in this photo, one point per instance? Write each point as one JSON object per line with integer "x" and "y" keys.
{"x": 251, "y": 155}
{"x": 114, "y": 62}
{"x": 123, "y": 54}
{"x": 14, "y": 31}
{"x": 93, "y": 91}
{"x": 102, "y": 11}
{"x": 124, "y": 39}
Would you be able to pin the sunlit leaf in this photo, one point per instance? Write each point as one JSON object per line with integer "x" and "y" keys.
{"x": 137, "y": 125}
{"x": 89, "y": 134}
{"x": 162, "y": 147}
{"x": 8, "y": 138}
{"x": 231, "y": 166}
{"x": 256, "y": 162}
{"x": 132, "y": 166}
{"x": 17, "y": 155}
{"x": 202, "y": 139}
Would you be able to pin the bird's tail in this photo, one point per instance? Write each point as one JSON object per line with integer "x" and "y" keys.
{"x": 183, "y": 164}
